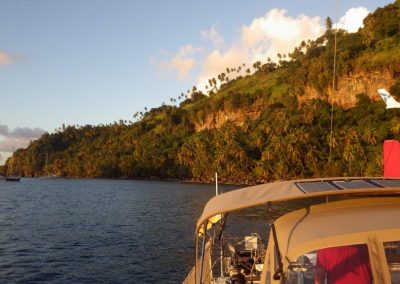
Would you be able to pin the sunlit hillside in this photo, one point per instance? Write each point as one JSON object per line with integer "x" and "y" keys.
{"x": 272, "y": 123}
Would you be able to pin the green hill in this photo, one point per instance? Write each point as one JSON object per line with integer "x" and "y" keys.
{"x": 269, "y": 125}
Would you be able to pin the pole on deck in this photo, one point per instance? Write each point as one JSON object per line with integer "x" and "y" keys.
{"x": 216, "y": 183}
{"x": 203, "y": 247}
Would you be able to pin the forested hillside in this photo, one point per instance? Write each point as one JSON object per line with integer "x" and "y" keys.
{"x": 271, "y": 124}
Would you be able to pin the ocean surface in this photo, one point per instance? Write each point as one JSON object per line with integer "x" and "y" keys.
{"x": 98, "y": 231}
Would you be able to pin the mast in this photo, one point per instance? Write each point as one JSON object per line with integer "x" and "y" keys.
{"x": 216, "y": 183}
{"x": 333, "y": 85}
{"x": 45, "y": 166}
{"x": 10, "y": 165}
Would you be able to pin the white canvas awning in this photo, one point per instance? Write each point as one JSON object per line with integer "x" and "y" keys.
{"x": 295, "y": 189}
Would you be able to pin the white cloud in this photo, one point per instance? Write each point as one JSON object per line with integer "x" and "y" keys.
{"x": 182, "y": 62}
{"x": 217, "y": 62}
{"x": 277, "y": 32}
{"x": 266, "y": 36}
{"x": 353, "y": 19}
{"x": 213, "y": 35}
{"x": 17, "y": 138}
{"x": 11, "y": 143}
{"x": 5, "y": 59}
{"x": 275, "y": 25}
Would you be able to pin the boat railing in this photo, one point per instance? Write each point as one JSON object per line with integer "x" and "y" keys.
{"x": 207, "y": 273}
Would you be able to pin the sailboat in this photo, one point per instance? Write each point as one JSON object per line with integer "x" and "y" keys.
{"x": 305, "y": 218}
{"x": 46, "y": 175}
{"x": 46, "y": 170}
{"x": 10, "y": 176}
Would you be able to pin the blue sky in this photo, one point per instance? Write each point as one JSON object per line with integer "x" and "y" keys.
{"x": 92, "y": 62}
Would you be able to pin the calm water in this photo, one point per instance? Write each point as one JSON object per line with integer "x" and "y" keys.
{"x": 98, "y": 231}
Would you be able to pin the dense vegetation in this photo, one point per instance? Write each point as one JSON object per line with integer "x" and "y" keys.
{"x": 285, "y": 140}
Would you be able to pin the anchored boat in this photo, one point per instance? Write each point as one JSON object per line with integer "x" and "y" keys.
{"x": 328, "y": 229}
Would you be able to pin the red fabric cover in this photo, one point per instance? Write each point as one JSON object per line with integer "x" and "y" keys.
{"x": 346, "y": 264}
{"x": 391, "y": 158}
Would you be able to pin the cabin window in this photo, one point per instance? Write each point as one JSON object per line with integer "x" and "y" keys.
{"x": 344, "y": 264}
{"x": 392, "y": 252}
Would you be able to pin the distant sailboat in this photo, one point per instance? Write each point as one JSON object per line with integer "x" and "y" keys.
{"x": 46, "y": 170}
{"x": 46, "y": 174}
{"x": 10, "y": 176}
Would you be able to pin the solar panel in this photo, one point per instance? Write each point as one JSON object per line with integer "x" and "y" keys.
{"x": 333, "y": 185}
{"x": 315, "y": 186}
{"x": 387, "y": 182}
{"x": 354, "y": 184}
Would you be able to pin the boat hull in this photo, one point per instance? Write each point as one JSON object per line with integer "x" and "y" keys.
{"x": 13, "y": 178}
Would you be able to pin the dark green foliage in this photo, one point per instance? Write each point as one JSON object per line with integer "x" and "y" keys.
{"x": 395, "y": 90}
{"x": 285, "y": 142}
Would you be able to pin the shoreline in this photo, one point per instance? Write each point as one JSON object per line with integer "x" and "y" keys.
{"x": 186, "y": 181}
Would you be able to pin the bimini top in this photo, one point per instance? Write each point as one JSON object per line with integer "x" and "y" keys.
{"x": 295, "y": 189}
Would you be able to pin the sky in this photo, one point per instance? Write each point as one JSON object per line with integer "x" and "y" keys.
{"x": 95, "y": 62}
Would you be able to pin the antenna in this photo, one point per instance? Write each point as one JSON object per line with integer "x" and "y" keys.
{"x": 333, "y": 82}
{"x": 216, "y": 183}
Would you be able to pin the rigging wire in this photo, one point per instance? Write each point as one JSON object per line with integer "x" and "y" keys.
{"x": 333, "y": 82}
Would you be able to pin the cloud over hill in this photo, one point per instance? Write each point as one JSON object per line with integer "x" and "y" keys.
{"x": 17, "y": 138}
{"x": 264, "y": 37}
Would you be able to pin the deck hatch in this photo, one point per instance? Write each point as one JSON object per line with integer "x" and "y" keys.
{"x": 387, "y": 182}
{"x": 316, "y": 186}
{"x": 354, "y": 184}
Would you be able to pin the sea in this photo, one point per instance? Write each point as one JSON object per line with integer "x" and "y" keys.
{"x": 99, "y": 231}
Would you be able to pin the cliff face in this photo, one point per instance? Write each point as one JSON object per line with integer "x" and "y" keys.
{"x": 346, "y": 96}
{"x": 351, "y": 85}
{"x": 216, "y": 120}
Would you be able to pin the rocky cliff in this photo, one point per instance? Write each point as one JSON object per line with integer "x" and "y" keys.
{"x": 348, "y": 87}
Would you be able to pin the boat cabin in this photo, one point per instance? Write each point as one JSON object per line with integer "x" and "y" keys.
{"x": 342, "y": 230}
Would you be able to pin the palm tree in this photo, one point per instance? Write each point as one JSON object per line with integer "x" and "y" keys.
{"x": 395, "y": 125}
{"x": 328, "y": 23}
{"x": 257, "y": 65}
